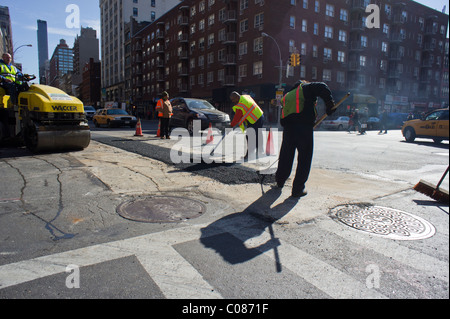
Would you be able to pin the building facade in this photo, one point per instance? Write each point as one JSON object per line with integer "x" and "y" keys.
{"x": 85, "y": 48}
{"x": 6, "y": 43}
{"x": 61, "y": 63}
{"x": 42, "y": 41}
{"x": 114, "y": 14}
{"x": 208, "y": 48}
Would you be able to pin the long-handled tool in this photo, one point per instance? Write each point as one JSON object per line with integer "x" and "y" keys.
{"x": 334, "y": 108}
{"x": 433, "y": 191}
{"x": 267, "y": 171}
{"x": 218, "y": 143}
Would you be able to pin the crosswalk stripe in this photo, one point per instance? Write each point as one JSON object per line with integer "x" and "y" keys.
{"x": 173, "y": 274}
{"x": 325, "y": 277}
{"x": 391, "y": 249}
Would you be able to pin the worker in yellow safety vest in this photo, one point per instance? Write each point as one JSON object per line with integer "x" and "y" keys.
{"x": 298, "y": 119}
{"x": 9, "y": 77}
{"x": 248, "y": 114}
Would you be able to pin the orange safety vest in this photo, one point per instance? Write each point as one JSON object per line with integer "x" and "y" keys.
{"x": 159, "y": 107}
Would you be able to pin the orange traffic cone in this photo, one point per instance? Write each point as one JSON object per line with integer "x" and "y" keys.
{"x": 270, "y": 147}
{"x": 158, "y": 133}
{"x": 138, "y": 129}
{"x": 210, "y": 137}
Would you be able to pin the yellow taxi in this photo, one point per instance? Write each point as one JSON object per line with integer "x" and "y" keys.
{"x": 434, "y": 125}
{"x": 113, "y": 118}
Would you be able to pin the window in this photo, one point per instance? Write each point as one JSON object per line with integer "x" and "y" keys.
{"x": 211, "y": 19}
{"x": 243, "y": 71}
{"x": 258, "y": 44}
{"x": 343, "y": 15}
{"x": 242, "y": 48}
{"x": 341, "y": 56}
{"x": 362, "y": 60}
{"x": 326, "y": 75}
{"x": 329, "y": 10}
{"x": 342, "y": 36}
{"x": 243, "y": 26}
{"x": 259, "y": 20}
{"x": 364, "y": 41}
{"x": 327, "y": 53}
{"x": 135, "y": 12}
{"x": 316, "y": 29}
{"x": 210, "y": 57}
{"x": 304, "y": 25}
{"x": 258, "y": 68}
{"x": 292, "y": 22}
{"x": 303, "y": 49}
{"x": 305, "y": 4}
{"x": 244, "y": 4}
{"x": 316, "y": 6}
{"x": 328, "y": 32}
{"x": 211, "y": 39}
{"x": 340, "y": 78}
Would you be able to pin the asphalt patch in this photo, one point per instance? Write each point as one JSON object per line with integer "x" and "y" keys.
{"x": 226, "y": 173}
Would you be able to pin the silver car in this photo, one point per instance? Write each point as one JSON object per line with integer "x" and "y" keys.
{"x": 89, "y": 111}
{"x": 340, "y": 123}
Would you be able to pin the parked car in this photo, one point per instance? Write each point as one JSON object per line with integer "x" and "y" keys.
{"x": 114, "y": 118}
{"x": 89, "y": 111}
{"x": 336, "y": 123}
{"x": 373, "y": 123}
{"x": 186, "y": 110}
{"x": 434, "y": 125}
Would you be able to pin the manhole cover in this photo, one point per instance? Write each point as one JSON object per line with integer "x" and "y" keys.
{"x": 161, "y": 209}
{"x": 382, "y": 221}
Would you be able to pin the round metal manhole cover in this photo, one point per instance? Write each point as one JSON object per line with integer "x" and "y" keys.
{"x": 385, "y": 222}
{"x": 161, "y": 209}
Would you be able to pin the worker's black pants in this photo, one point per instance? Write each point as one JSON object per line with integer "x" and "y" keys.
{"x": 11, "y": 90}
{"x": 300, "y": 138}
{"x": 165, "y": 130}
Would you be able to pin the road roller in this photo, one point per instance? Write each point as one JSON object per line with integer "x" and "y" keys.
{"x": 45, "y": 118}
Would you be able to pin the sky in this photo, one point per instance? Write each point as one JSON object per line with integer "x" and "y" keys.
{"x": 24, "y": 16}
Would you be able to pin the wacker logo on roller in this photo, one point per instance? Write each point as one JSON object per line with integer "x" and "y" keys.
{"x": 64, "y": 108}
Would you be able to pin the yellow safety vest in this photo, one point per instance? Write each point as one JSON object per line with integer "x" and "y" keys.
{"x": 13, "y": 71}
{"x": 252, "y": 112}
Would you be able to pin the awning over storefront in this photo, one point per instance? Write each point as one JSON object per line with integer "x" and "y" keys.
{"x": 365, "y": 99}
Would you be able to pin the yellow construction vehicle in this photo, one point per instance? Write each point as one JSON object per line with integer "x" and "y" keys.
{"x": 45, "y": 118}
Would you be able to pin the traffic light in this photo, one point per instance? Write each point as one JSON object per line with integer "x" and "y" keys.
{"x": 295, "y": 59}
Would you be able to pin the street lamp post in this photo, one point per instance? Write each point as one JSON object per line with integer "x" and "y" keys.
{"x": 24, "y": 45}
{"x": 280, "y": 84}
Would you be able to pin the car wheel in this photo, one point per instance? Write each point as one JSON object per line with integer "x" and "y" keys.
{"x": 96, "y": 124}
{"x": 437, "y": 140}
{"x": 340, "y": 127}
{"x": 109, "y": 124}
{"x": 410, "y": 134}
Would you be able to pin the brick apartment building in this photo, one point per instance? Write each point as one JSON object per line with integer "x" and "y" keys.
{"x": 209, "y": 48}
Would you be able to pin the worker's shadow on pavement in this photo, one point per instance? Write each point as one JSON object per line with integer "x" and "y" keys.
{"x": 228, "y": 234}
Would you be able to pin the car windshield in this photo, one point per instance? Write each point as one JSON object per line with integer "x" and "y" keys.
{"x": 89, "y": 108}
{"x": 199, "y": 104}
{"x": 116, "y": 112}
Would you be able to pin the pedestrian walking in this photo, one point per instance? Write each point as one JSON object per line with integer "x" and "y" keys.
{"x": 298, "y": 119}
{"x": 164, "y": 108}
{"x": 248, "y": 113}
{"x": 383, "y": 122}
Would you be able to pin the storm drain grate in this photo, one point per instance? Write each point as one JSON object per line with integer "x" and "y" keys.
{"x": 383, "y": 221}
{"x": 161, "y": 209}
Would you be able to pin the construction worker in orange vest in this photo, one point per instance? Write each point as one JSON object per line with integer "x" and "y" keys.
{"x": 164, "y": 108}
